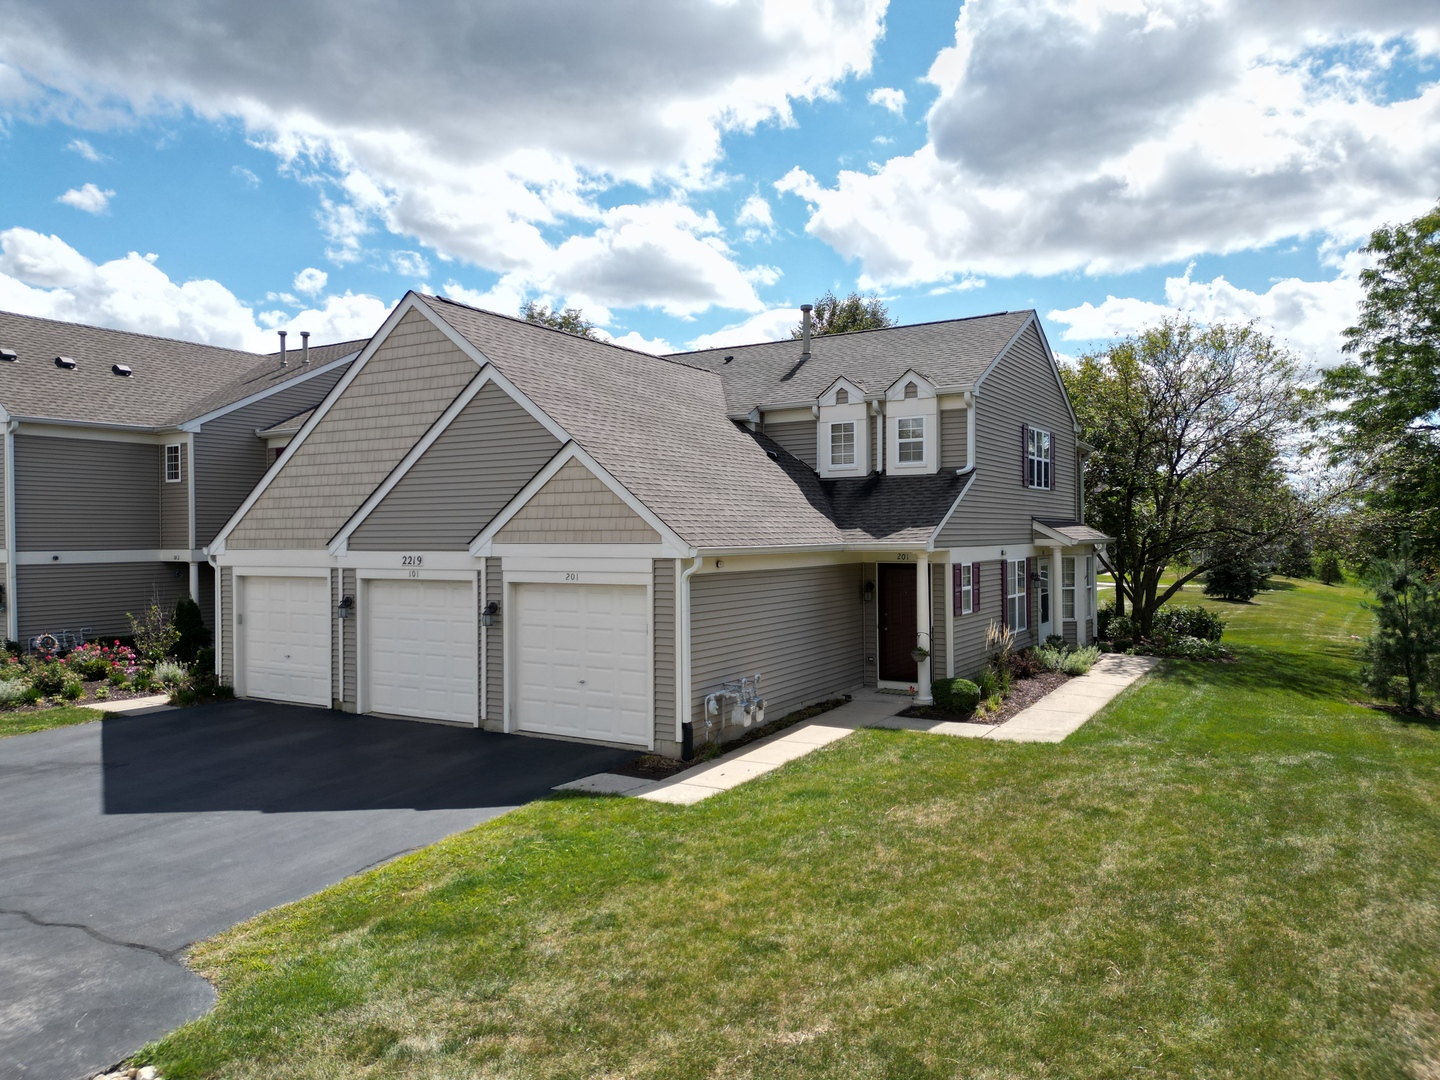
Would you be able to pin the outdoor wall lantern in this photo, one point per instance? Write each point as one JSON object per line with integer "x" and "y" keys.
{"x": 487, "y": 617}
{"x": 345, "y": 607}
{"x": 868, "y": 593}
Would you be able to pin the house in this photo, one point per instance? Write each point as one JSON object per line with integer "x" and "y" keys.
{"x": 492, "y": 523}
{"x": 123, "y": 456}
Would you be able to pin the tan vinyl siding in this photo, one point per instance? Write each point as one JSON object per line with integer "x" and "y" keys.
{"x": 467, "y": 476}
{"x": 799, "y": 629}
{"x": 94, "y": 596}
{"x": 969, "y": 630}
{"x": 348, "y": 676}
{"x": 575, "y": 507}
{"x": 175, "y": 503}
{"x": 797, "y": 437}
{"x": 1068, "y": 631}
{"x": 207, "y": 594}
{"x": 85, "y": 494}
{"x": 227, "y": 626}
{"x": 870, "y": 625}
{"x": 664, "y": 638}
{"x": 939, "y": 654}
{"x": 952, "y": 438}
{"x": 494, "y": 649}
{"x": 400, "y": 392}
{"x": 1022, "y": 389}
{"x": 230, "y": 459}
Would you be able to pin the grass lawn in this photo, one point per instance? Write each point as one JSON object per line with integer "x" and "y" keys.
{"x": 1233, "y": 871}
{"x": 22, "y": 723}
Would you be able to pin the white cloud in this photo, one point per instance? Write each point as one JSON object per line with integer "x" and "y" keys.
{"x": 888, "y": 97}
{"x": 495, "y": 123}
{"x": 1121, "y": 133}
{"x": 85, "y": 150}
{"x": 658, "y": 346}
{"x": 311, "y": 281}
{"x": 89, "y": 198}
{"x": 251, "y": 180}
{"x": 42, "y": 275}
{"x": 409, "y": 263}
{"x": 756, "y": 213}
{"x": 1308, "y": 316}
{"x": 773, "y": 324}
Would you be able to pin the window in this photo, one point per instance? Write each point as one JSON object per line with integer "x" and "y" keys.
{"x": 911, "y": 434}
{"x": 964, "y": 589}
{"x": 911, "y": 390}
{"x": 842, "y": 443}
{"x": 1067, "y": 587}
{"x": 1044, "y": 566}
{"x": 172, "y": 463}
{"x": 1017, "y": 613}
{"x": 1037, "y": 458}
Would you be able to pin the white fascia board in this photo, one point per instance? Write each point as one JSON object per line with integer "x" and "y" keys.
{"x": 52, "y": 557}
{"x": 488, "y": 374}
{"x": 411, "y": 302}
{"x": 572, "y": 451}
{"x": 930, "y": 543}
{"x": 277, "y": 558}
{"x": 911, "y": 373}
{"x": 850, "y": 384}
{"x": 78, "y": 429}
{"x": 269, "y": 391}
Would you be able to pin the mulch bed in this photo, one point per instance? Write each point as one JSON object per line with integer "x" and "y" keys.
{"x": 1023, "y": 694}
{"x": 87, "y": 700}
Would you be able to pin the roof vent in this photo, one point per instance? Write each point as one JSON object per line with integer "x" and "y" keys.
{"x": 9, "y": 356}
{"x": 728, "y": 359}
{"x": 123, "y": 370}
{"x": 305, "y": 346}
{"x": 282, "y": 349}
{"x": 65, "y": 362}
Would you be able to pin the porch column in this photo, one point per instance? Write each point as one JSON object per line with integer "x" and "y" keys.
{"x": 195, "y": 582}
{"x": 922, "y": 627}
{"x": 1057, "y": 594}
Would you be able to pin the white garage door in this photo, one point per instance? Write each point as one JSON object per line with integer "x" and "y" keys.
{"x": 422, "y": 658}
{"x": 583, "y": 661}
{"x": 286, "y": 623}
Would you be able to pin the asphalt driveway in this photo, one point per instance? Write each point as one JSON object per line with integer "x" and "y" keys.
{"x": 123, "y": 842}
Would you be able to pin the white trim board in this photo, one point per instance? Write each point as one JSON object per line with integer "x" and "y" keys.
{"x": 269, "y": 391}
{"x": 120, "y": 555}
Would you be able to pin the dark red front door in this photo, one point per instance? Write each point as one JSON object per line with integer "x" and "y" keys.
{"x": 897, "y": 622}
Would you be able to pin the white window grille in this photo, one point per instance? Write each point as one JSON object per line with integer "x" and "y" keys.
{"x": 1067, "y": 583}
{"x": 842, "y": 443}
{"x": 1038, "y": 458}
{"x": 172, "y": 463}
{"x": 910, "y": 432}
{"x": 1016, "y": 609}
{"x": 967, "y": 588}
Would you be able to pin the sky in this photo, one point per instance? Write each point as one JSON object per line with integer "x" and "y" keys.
{"x": 687, "y": 172}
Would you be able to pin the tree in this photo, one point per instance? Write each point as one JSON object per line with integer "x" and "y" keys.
{"x": 856, "y": 312}
{"x": 1236, "y": 575}
{"x": 1386, "y": 402}
{"x": 190, "y": 633}
{"x": 1297, "y": 560}
{"x": 1328, "y": 569}
{"x": 571, "y": 320}
{"x": 1187, "y": 422}
{"x": 1402, "y": 656}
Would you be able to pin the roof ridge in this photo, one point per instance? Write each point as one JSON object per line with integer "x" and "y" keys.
{"x": 853, "y": 333}
{"x": 136, "y": 334}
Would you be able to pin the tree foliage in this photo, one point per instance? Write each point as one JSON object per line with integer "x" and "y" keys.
{"x": 1402, "y": 656}
{"x": 856, "y": 312}
{"x": 1187, "y": 422}
{"x": 1236, "y": 575}
{"x": 1386, "y": 417}
{"x": 570, "y": 320}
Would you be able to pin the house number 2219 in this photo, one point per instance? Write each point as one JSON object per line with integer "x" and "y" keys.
{"x": 412, "y": 560}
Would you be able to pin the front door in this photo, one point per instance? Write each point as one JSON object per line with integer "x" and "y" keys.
{"x": 897, "y": 623}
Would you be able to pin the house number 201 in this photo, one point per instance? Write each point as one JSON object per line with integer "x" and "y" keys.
{"x": 572, "y": 577}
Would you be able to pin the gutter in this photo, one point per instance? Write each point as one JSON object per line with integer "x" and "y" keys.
{"x": 682, "y": 647}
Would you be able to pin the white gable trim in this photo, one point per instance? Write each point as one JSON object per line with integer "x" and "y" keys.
{"x": 923, "y": 386}
{"x": 483, "y": 544}
{"x": 1033, "y": 320}
{"x": 261, "y": 395}
{"x": 411, "y": 302}
{"x": 488, "y": 375}
{"x": 857, "y": 392}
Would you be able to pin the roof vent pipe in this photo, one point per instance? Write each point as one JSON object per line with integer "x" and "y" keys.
{"x": 805, "y": 310}
{"x": 282, "y": 348}
{"x": 304, "y": 346}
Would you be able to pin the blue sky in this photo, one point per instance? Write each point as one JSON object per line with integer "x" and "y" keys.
{"x": 689, "y": 172}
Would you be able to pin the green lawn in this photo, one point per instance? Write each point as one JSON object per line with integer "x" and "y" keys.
{"x": 1231, "y": 872}
{"x": 22, "y": 723}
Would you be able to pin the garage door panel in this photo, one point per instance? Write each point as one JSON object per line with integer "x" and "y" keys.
{"x": 421, "y": 648}
{"x": 287, "y": 639}
{"x": 583, "y": 666}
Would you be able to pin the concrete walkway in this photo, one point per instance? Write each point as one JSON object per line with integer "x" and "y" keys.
{"x": 1050, "y": 719}
{"x": 136, "y": 706}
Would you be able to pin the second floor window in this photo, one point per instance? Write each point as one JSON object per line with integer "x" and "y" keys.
{"x": 1037, "y": 458}
{"x": 964, "y": 575}
{"x": 172, "y": 464}
{"x": 910, "y": 432}
{"x": 842, "y": 443}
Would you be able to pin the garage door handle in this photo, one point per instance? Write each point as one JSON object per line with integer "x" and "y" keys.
{"x": 582, "y": 682}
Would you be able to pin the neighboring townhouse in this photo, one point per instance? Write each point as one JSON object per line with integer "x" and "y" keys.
{"x": 123, "y": 455}
{"x": 491, "y": 523}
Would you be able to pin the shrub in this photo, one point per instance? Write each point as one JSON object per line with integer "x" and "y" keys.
{"x": 955, "y": 695}
{"x": 1055, "y": 641}
{"x": 155, "y": 635}
{"x": 1079, "y": 661}
{"x": 73, "y": 690}
{"x": 204, "y": 666}
{"x": 90, "y": 661}
{"x": 102, "y": 693}
{"x": 12, "y": 669}
{"x": 1024, "y": 665}
{"x": 1328, "y": 569}
{"x": 191, "y": 635}
{"x": 49, "y": 676}
{"x": 1189, "y": 620}
{"x": 989, "y": 684}
{"x": 169, "y": 673}
{"x": 117, "y": 677}
{"x": 1103, "y": 616}
{"x": 1122, "y": 631}
{"x": 1191, "y": 648}
{"x": 13, "y": 692}
{"x": 142, "y": 680}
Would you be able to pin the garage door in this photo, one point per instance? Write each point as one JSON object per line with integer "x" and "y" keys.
{"x": 287, "y": 638}
{"x": 421, "y": 654}
{"x": 583, "y": 661}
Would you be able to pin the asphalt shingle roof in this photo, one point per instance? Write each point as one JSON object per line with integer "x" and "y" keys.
{"x": 950, "y": 354}
{"x": 171, "y": 381}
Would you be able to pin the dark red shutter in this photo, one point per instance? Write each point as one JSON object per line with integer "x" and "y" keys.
{"x": 1029, "y": 594}
{"x": 975, "y": 586}
{"x": 1004, "y": 593}
{"x": 955, "y": 598}
{"x": 1024, "y": 455}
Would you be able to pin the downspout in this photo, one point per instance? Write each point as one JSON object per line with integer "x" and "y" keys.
{"x": 12, "y": 606}
{"x": 682, "y": 646}
{"x": 219, "y": 615}
{"x": 190, "y": 534}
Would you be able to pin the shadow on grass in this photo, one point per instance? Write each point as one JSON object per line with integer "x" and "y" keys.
{"x": 1261, "y": 669}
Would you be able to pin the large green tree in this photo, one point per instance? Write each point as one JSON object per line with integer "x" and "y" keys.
{"x": 1385, "y": 418}
{"x": 570, "y": 320}
{"x": 858, "y": 311}
{"x": 1187, "y": 424}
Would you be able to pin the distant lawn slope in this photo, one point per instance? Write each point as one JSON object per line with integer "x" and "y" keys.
{"x": 1231, "y": 872}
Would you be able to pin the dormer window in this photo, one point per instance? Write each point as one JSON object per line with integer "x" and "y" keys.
{"x": 912, "y": 426}
{"x": 842, "y": 443}
{"x": 843, "y": 432}
{"x": 910, "y": 434}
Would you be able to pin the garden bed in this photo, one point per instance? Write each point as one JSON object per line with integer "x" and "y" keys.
{"x": 88, "y": 698}
{"x": 1023, "y": 693}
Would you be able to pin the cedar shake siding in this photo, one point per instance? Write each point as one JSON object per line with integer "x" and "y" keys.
{"x": 388, "y": 406}
{"x": 1021, "y": 389}
{"x": 799, "y": 629}
{"x": 95, "y": 596}
{"x": 86, "y": 495}
{"x": 467, "y": 475}
{"x": 575, "y": 507}
{"x": 664, "y": 642}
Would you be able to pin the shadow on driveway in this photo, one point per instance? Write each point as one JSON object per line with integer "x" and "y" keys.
{"x": 280, "y": 759}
